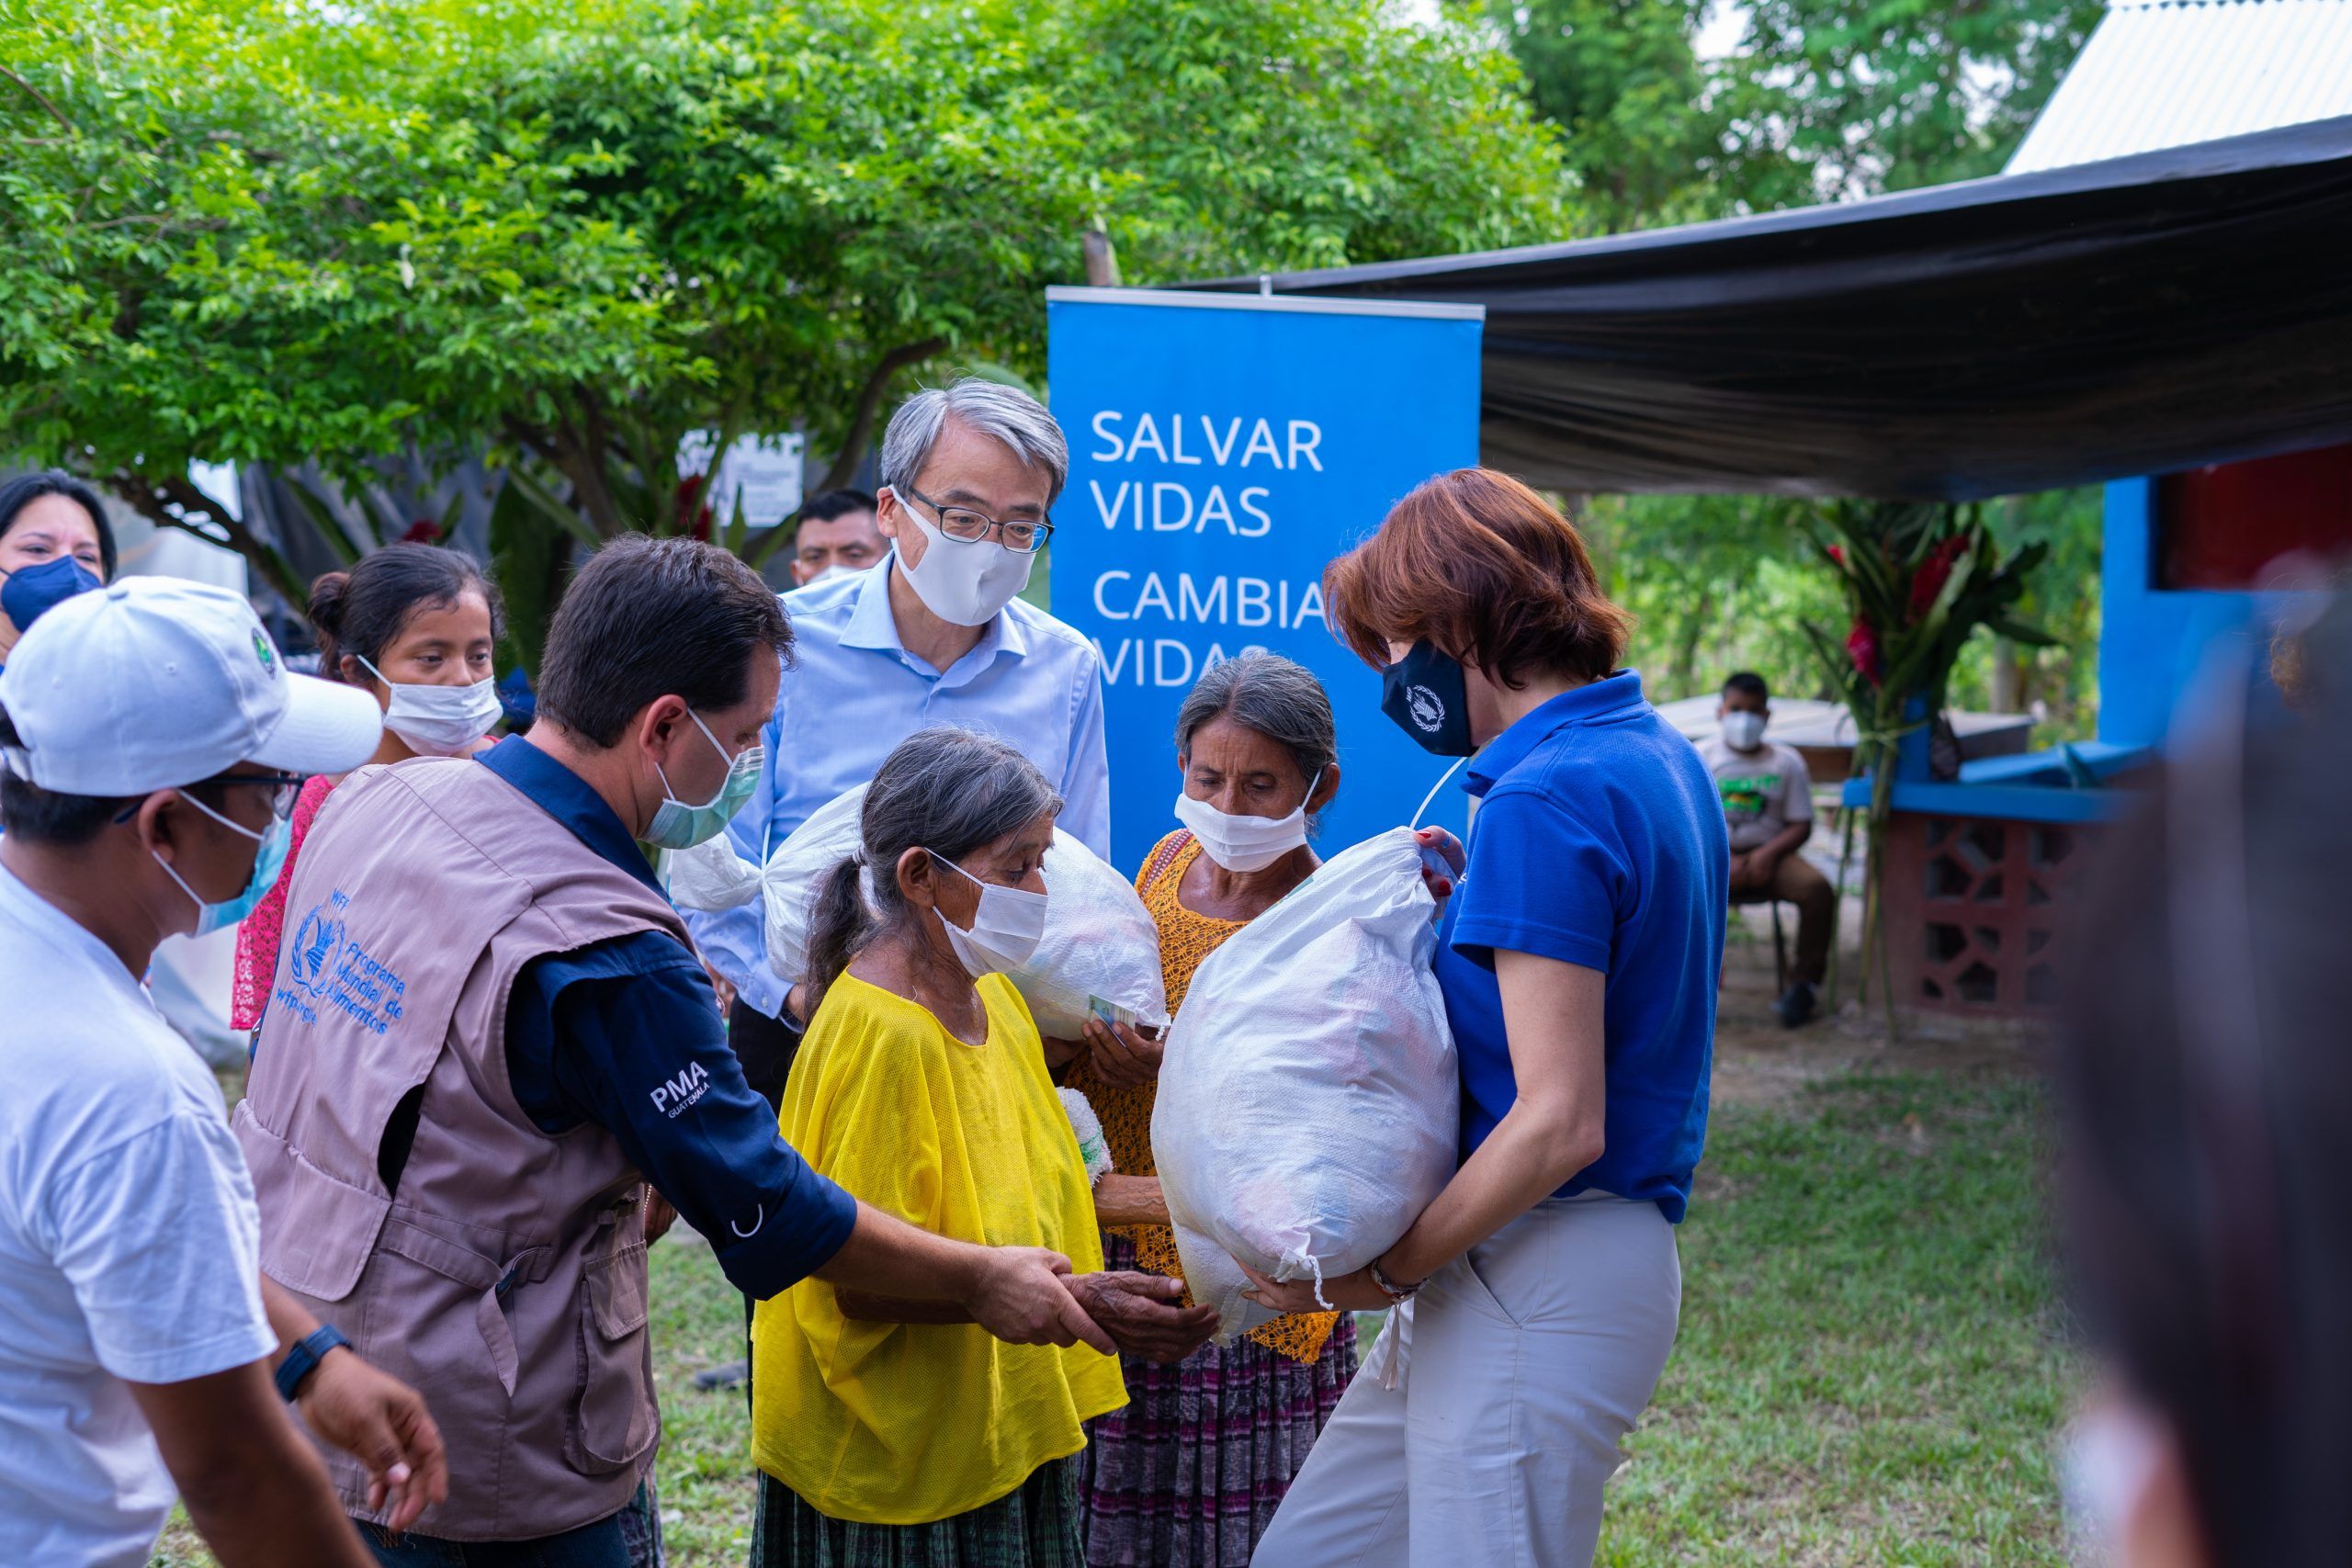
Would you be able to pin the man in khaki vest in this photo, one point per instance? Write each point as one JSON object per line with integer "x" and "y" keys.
{"x": 487, "y": 1034}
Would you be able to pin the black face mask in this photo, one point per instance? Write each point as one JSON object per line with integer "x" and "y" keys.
{"x": 1424, "y": 693}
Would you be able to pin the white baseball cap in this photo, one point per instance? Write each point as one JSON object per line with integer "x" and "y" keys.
{"x": 155, "y": 682}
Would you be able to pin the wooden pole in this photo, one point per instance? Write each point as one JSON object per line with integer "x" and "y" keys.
{"x": 1101, "y": 261}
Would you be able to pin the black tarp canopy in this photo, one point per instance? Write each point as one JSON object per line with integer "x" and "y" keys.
{"x": 1997, "y": 336}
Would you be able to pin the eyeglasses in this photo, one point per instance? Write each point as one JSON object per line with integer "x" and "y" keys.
{"x": 1023, "y": 538}
{"x": 284, "y": 788}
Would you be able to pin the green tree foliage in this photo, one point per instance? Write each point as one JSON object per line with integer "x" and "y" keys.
{"x": 1622, "y": 81}
{"x": 569, "y": 234}
{"x": 1818, "y": 99}
{"x": 1267, "y": 135}
{"x": 206, "y": 251}
{"x": 1713, "y": 585}
{"x": 1863, "y": 96}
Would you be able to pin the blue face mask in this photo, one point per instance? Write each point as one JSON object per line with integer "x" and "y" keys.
{"x": 680, "y": 825}
{"x": 1424, "y": 692}
{"x": 267, "y": 863}
{"x": 31, "y": 592}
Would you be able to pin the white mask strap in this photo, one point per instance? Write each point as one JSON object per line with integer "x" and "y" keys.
{"x": 1427, "y": 798}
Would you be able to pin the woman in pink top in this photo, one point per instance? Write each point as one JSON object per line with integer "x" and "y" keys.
{"x": 416, "y": 626}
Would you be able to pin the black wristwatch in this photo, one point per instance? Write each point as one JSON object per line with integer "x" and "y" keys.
{"x": 304, "y": 1359}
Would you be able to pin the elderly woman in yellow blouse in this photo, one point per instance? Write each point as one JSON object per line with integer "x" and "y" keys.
{"x": 895, "y": 1431}
{"x": 1189, "y": 1473}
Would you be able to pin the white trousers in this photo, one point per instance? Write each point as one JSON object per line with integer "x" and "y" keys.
{"x": 1528, "y": 1359}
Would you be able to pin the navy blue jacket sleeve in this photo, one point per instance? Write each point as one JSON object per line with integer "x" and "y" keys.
{"x": 627, "y": 1034}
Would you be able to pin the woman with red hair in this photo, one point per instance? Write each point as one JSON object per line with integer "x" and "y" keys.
{"x": 1537, "y": 1298}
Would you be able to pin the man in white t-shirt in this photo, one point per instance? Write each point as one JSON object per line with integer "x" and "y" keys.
{"x": 1767, "y": 808}
{"x": 151, "y": 744}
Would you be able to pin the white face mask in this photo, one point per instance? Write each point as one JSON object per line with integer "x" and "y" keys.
{"x": 439, "y": 721}
{"x": 962, "y": 581}
{"x": 1743, "y": 730}
{"x": 1005, "y": 927}
{"x": 1244, "y": 843}
{"x": 836, "y": 570}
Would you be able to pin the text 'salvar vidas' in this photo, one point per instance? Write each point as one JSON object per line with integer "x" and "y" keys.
{"x": 1220, "y": 503}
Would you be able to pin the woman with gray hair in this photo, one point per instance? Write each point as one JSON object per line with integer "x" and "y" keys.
{"x": 1190, "y": 1472}
{"x": 890, "y": 1430}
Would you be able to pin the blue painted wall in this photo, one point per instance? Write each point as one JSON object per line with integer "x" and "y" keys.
{"x": 2152, "y": 641}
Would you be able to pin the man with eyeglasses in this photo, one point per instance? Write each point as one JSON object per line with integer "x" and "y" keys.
{"x": 933, "y": 635}
{"x": 151, "y": 744}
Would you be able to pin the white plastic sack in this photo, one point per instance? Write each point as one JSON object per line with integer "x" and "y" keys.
{"x": 1098, "y": 940}
{"x": 1306, "y": 1109}
{"x": 797, "y": 871}
{"x": 710, "y": 877}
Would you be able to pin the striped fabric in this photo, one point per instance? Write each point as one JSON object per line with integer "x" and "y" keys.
{"x": 1189, "y": 1474}
{"x": 1035, "y": 1526}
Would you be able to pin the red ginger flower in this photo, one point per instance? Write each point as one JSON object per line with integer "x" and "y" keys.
{"x": 1933, "y": 573}
{"x": 1862, "y": 646}
{"x": 695, "y": 520}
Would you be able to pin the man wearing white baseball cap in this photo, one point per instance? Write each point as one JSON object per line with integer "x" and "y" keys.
{"x": 151, "y": 743}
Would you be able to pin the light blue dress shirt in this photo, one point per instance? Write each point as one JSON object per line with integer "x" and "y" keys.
{"x": 854, "y": 692}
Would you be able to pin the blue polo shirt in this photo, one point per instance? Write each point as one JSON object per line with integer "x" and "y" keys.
{"x": 625, "y": 1035}
{"x": 1599, "y": 841}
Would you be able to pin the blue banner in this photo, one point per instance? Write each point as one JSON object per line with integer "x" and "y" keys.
{"x": 1224, "y": 448}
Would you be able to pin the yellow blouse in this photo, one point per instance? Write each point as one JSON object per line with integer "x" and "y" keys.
{"x": 896, "y": 1424}
{"x": 1185, "y": 939}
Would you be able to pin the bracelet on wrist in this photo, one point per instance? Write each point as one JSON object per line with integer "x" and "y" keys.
{"x": 1396, "y": 1292}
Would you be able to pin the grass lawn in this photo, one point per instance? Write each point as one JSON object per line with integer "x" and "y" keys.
{"x": 1870, "y": 1364}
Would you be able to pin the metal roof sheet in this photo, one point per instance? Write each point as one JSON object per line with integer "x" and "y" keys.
{"x": 2158, "y": 73}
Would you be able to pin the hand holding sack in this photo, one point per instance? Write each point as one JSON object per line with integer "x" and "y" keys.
{"x": 1098, "y": 940}
{"x": 1307, "y": 1103}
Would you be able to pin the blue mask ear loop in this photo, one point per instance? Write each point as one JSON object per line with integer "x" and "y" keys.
{"x": 1429, "y": 798}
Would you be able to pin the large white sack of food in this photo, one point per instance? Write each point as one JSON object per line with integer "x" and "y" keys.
{"x": 796, "y": 872}
{"x": 710, "y": 877}
{"x": 1307, "y": 1103}
{"x": 1099, "y": 941}
{"x": 1100, "y": 945}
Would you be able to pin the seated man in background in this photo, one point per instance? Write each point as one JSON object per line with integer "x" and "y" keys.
{"x": 1768, "y": 808}
{"x": 837, "y": 534}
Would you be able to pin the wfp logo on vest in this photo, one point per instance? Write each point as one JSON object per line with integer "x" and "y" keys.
{"x": 309, "y": 959}
{"x": 1428, "y": 711}
{"x": 682, "y": 1092}
{"x": 325, "y": 963}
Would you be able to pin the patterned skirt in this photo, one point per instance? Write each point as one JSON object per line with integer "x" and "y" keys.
{"x": 1036, "y": 1523}
{"x": 1189, "y": 1474}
